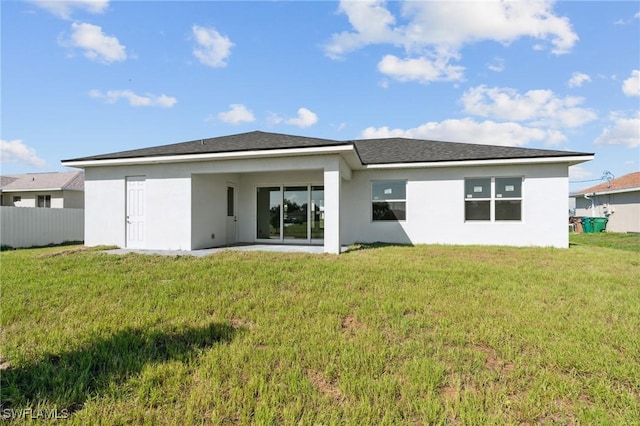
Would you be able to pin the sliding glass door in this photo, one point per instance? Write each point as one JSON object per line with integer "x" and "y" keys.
{"x": 295, "y": 219}
{"x": 283, "y": 213}
{"x": 268, "y": 216}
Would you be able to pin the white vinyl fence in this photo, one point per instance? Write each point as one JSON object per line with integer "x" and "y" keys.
{"x": 29, "y": 227}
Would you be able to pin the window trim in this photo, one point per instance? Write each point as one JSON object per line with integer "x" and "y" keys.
{"x": 493, "y": 199}
{"x": 391, "y": 200}
{"x": 46, "y": 199}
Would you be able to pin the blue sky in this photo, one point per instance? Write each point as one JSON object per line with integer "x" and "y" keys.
{"x": 89, "y": 77}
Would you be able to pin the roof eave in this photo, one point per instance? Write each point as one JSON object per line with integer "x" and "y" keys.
{"x": 38, "y": 189}
{"x": 569, "y": 160}
{"x": 236, "y": 155}
{"x": 607, "y": 191}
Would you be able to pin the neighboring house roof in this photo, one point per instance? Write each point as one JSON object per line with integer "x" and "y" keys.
{"x": 70, "y": 181}
{"x": 624, "y": 183}
{"x": 369, "y": 151}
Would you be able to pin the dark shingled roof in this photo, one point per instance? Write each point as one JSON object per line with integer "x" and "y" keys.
{"x": 252, "y": 141}
{"x": 401, "y": 150}
{"x": 370, "y": 151}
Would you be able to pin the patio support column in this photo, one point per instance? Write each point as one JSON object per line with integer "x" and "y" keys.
{"x": 332, "y": 183}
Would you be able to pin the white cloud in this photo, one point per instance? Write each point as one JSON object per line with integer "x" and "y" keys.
{"x": 305, "y": 118}
{"x": 371, "y": 22}
{"x": 622, "y": 131}
{"x": 578, "y": 79}
{"x": 579, "y": 172}
{"x": 213, "y": 49}
{"x": 435, "y": 32}
{"x": 237, "y": 113}
{"x": 468, "y": 130}
{"x": 538, "y": 107}
{"x": 135, "y": 100}
{"x": 497, "y": 65}
{"x": 273, "y": 118}
{"x": 631, "y": 86}
{"x": 421, "y": 69}
{"x": 450, "y": 25}
{"x": 65, "y": 8}
{"x": 16, "y": 151}
{"x": 97, "y": 46}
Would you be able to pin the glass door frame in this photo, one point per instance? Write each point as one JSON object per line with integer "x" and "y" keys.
{"x": 282, "y": 239}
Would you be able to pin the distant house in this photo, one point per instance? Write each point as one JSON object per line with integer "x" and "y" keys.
{"x": 263, "y": 187}
{"x": 619, "y": 200}
{"x": 49, "y": 190}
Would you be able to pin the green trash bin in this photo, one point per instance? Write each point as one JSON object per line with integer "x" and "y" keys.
{"x": 587, "y": 224}
{"x": 599, "y": 223}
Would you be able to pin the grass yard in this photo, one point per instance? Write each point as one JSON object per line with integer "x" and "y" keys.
{"x": 384, "y": 335}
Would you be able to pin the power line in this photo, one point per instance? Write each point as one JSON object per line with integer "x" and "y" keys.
{"x": 585, "y": 180}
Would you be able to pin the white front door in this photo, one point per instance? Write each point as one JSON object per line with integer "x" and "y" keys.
{"x": 232, "y": 215}
{"x": 135, "y": 212}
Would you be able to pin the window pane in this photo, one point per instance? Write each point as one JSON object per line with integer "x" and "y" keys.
{"x": 230, "y": 201}
{"x": 389, "y": 190}
{"x": 477, "y": 210}
{"x": 389, "y": 210}
{"x": 508, "y": 210}
{"x": 508, "y": 187}
{"x": 317, "y": 212}
{"x": 477, "y": 188}
{"x": 295, "y": 212}
{"x": 268, "y": 214}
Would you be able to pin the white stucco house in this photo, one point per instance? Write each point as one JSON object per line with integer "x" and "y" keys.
{"x": 262, "y": 187}
{"x": 617, "y": 200}
{"x": 55, "y": 190}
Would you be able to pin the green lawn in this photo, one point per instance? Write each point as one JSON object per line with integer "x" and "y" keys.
{"x": 381, "y": 335}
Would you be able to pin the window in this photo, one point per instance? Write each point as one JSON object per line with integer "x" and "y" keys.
{"x": 44, "y": 200}
{"x": 283, "y": 213}
{"x": 389, "y": 200}
{"x": 17, "y": 199}
{"x": 493, "y": 199}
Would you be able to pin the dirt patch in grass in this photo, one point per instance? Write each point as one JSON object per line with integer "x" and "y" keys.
{"x": 4, "y": 364}
{"x": 350, "y": 325}
{"x": 237, "y": 323}
{"x": 64, "y": 252}
{"x": 325, "y": 387}
{"x": 494, "y": 362}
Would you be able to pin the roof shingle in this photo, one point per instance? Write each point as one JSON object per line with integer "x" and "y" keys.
{"x": 35, "y": 181}
{"x": 370, "y": 151}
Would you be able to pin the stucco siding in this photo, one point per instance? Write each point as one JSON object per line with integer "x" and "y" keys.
{"x": 209, "y": 209}
{"x": 167, "y": 202}
{"x": 73, "y": 199}
{"x": 185, "y": 203}
{"x": 624, "y": 208}
{"x": 435, "y": 208}
{"x": 29, "y": 199}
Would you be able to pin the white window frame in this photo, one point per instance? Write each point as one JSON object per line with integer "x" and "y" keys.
{"x": 390, "y": 200}
{"x": 493, "y": 198}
